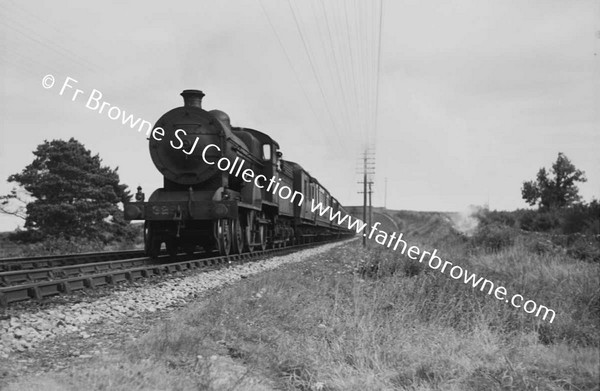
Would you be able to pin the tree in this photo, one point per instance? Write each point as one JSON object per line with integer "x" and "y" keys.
{"x": 72, "y": 193}
{"x": 557, "y": 192}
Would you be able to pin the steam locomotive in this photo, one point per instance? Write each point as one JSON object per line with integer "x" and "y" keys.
{"x": 226, "y": 188}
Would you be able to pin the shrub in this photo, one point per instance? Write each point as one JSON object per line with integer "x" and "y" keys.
{"x": 584, "y": 248}
{"x": 539, "y": 221}
{"x": 492, "y": 237}
{"x": 582, "y": 218}
{"x": 487, "y": 217}
{"x": 378, "y": 262}
{"x": 579, "y": 218}
{"x": 27, "y": 243}
{"x": 541, "y": 246}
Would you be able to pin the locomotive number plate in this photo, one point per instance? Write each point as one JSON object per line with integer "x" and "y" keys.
{"x": 162, "y": 210}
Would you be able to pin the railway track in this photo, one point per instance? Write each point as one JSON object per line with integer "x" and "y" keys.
{"x": 50, "y": 261}
{"x": 38, "y": 283}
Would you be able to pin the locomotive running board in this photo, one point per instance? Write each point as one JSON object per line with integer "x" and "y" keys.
{"x": 248, "y": 206}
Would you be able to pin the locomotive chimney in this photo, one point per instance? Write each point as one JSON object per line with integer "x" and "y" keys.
{"x": 192, "y": 98}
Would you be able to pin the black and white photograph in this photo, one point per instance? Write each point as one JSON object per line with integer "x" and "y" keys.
{"x": 300, "y": 195}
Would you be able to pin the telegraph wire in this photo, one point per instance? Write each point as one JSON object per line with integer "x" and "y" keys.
{"x": 50, "y": 25}
{"x": 376, "y": 111}
{"x": 23, "y": 24}
{"x": 63, "y": 53}
{"x": 320, "y": 84}
{"x": 352, "y": 73}
{"x": 337, "y": 67}
{"x": 329, "y": 64}
{"x": 364, "y": 97}
{"x": 291, "y": 64}
{"x": 344, "y": 60}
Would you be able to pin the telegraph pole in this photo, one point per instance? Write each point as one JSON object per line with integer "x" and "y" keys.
{"x": 365, "y": 196}
{"x": 370, "y": 206}
{"x": 368, "y": 167}
{"x": 385, "y": 195}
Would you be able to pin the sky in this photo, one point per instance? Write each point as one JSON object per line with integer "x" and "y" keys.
{"x": 460, "y": 102}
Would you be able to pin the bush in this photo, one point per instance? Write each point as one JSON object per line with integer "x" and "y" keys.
{"x": 582, "y": 218}
{"x": 28, "y": 236}
{"x": 541, "y": 246}
{"x": 584, "y": 248}
{"x": 127, "y": 233}
{"x": 28, "y": 243}
{"x": 487, "y": 217}
{"x": 539, "y": 221}
{"x": 378, "y": 263}
{"x": 492, "y": 237}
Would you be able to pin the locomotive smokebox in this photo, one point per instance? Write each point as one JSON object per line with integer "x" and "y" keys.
{"x": 179, "y": 154}
{"x": 192, "y": 98}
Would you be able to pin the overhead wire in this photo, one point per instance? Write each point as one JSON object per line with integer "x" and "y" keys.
{"x": 351, "y": 66}
{"x": 345, "y": 62}
{"x": 363, "y": 97}
{"x": 57, "y": 49}
{"x": 70, "y": 37}
{"x": 376, "y": 111}
{"x": 369, "y": 64}
{"x": 337, "y": 67}
{"x": 345, "y": 48}
{"x": 290, "y": 62}
{"x": 332, "y": 67}
{"x": 318, "y": 79}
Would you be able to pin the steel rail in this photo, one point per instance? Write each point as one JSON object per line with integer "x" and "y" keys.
{"x": 45, "y": 274}
{"x": 28, "y": 263}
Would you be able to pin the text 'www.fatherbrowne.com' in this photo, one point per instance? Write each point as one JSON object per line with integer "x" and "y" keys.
{"x": 395, "y": 241}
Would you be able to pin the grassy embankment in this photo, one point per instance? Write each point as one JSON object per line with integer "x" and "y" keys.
{"x": 356, "y": 319}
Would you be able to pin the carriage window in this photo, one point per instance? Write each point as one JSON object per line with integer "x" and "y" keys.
{"x": 279, "y": 160}
{"x": 266, "y": 151}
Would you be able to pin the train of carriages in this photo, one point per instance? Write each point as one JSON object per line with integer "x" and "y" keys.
{"x": 204, "y": 203}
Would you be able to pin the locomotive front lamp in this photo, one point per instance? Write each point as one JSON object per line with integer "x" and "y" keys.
{"x": 139, "y": 196}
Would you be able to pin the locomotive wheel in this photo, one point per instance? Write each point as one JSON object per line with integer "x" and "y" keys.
{"x": 255, "y": 237}
{"x": 151, "y": 243}
{"x": 248, "y": 231}
{"x": 223, "y": 236}
{"x": 261, "y": 235}
{"x": 237, "y": 237}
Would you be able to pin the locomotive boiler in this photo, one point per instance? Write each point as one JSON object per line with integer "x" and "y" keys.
{"x": 225, "y": 188}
